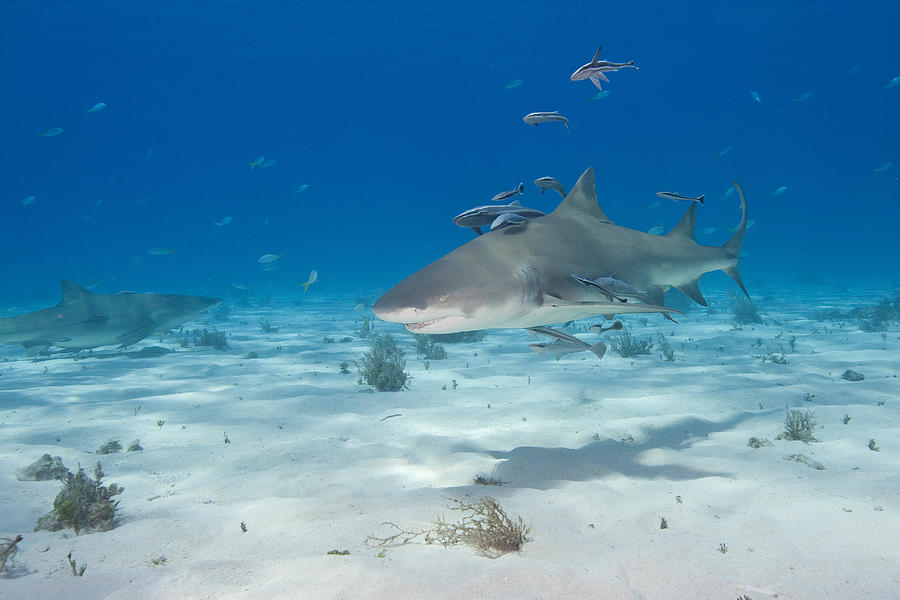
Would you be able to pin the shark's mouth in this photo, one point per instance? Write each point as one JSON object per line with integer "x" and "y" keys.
{"x": 445, "y": 324}
{"x": 423, "y": 324}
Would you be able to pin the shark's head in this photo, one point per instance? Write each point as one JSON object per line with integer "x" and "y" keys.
{"x": 171, "y": 310}
{"x": 457, "y": 293}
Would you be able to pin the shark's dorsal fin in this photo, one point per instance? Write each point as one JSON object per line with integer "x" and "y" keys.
{"x": 685, "y": 227}
{"x": 514, "y": 203}
{"x": 72, "y": 292}
{"x": 583, "y": 198}
{"x": 597, "y": 56}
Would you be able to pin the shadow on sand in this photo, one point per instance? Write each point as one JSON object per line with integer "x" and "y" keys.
{"x": 544, "y": 468}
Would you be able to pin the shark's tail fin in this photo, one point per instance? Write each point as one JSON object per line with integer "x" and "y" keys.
{"x": 733, "y": 246}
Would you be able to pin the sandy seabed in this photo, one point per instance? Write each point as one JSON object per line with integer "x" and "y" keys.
{"x": 593, "y": 455}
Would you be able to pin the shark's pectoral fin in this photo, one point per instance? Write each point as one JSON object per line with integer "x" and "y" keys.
{"x": 136, "y": 334}
{"x": 691, "y": 290}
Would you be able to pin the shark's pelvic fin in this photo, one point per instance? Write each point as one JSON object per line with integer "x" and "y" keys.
{"x": 685, "y": 227}
{"x": 733, "y": 246}
{"x": 691, "y": 290}
{"x": 583, "y": 198}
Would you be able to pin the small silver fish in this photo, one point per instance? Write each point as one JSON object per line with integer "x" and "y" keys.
{"x": 884, "y": 167}
{"x": 96, "y": 108}
{"x": 241, "y": 286}
{"x": 505, "y": 195}
{"x": 804, "y": 97}
{"x": 656, "y": 229}
{"x": 600, "y": 95}
{"x": 52, "y": 132}
{"x": 506, "y": 219}
{"x": 302, "y": 188}
{"x": 708, "y": 230}
{"x": 548, "y": 183}
{"x": 653, "y": 204}
{"x": 755, "y": 96}
{"x": 536, "y": 118}
{"x": 266, "y": 259}
{"x": 28, "y": 200}
{"x": 724, "y": 151}
{"x": 313, "y": 277}
{"x": 780, "y": 190}
{"x": 673, "y": 196}
{"x": 161, "y": 251}
{"x": 594, "y": 70}
{"x": 892, "y": 83}
{"x": 225, "y": 221}
{"x": 750, "y": 223}
{"x": 513, "y": 84}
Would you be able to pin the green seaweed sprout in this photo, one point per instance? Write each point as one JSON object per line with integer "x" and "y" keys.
{"x": 84, "y": 504}
{"x": 798, "y": 426}
{"x": 383, "y": 366}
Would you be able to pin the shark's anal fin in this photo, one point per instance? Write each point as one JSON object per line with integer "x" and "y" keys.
{"x": 137, "y": 334}
{"x": 685, "y": 227}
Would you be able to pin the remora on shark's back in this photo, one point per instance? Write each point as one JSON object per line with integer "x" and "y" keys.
{"x": 521, "y": 276}
{"x": 84, "y": 320}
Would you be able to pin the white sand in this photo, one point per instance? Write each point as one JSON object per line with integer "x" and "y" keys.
{"x": 594, "y": 453}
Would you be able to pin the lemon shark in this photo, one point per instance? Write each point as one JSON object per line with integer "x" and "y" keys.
{"x": 84, "y": 320}
{"x": 522, "y": 276}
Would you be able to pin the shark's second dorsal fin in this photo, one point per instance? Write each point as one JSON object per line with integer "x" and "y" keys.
{"x": 685, "y": 227}
{"x": 583, "y": 198}
{"x": 72, "y": 292}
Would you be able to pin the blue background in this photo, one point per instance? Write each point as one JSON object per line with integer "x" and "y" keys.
{"x": 395, "y": 114}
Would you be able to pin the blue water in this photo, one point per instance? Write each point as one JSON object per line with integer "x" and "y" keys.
{"x": 395, "y": 115}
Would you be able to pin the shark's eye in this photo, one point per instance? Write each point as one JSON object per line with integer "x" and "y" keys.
{"x": 442, "y": 299}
